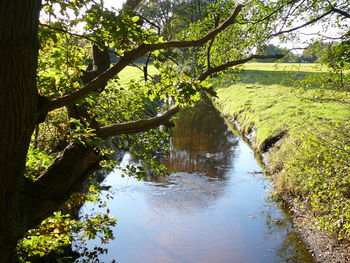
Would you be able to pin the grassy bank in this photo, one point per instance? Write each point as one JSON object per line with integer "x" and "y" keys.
{"x": 306, "y": 133}
{"x": 133, "y": 73}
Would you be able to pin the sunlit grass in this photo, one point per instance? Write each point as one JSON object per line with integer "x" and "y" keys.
{"x": 134, "y": 73}
{"x": 311, "y": 162}
{"x": 260, "y": 100}
{"x": 306, "y": 67}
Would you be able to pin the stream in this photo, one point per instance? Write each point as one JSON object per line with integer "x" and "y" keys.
{"x": 214, "y": 207}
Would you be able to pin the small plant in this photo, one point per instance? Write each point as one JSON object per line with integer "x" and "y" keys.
{"x": 37, "y": 162}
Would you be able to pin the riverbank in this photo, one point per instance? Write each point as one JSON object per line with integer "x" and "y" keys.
{"x": 215, "y": 181}
{"x": 302, "y": 136}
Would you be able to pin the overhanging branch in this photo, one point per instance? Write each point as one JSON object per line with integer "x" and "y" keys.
{"x": 69, "y": 170}
{"x": 303, "y": 25}
{"x": 137, "y": 126}
{"x": 227, "y": 65}
{"x": 341, "y": 12}
{"x": 131, "y": 56}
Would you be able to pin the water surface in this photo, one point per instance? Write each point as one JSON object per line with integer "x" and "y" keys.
{"x": 212, "y": 208}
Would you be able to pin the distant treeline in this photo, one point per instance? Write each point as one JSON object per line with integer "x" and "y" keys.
{"x": 313, "y": 53}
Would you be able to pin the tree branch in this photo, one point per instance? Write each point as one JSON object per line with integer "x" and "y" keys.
{"x": 216, "y": 21}
{"x": 93, "y": 85}
{"x": 131, "y": 56}
{"x": 151, "y": 23}
{"x": 323, "y": 36}
{"x": 137, "y": 126}
{"x": 303, "y": 25}
{"x": 64, "y": 176}
{"x": 192, "y": 43}
{"x": 67, "y": 32}
{"x": 341, "y": 12}
{"x": 69, "y": 170}
{"x": 227, "y": 65}
{"x": 268, "y": 16}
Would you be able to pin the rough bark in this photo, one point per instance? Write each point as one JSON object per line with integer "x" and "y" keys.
{"x": 19, "y": 111}
{"x": 65, "y": 175}
{"x": 101, "y": 62}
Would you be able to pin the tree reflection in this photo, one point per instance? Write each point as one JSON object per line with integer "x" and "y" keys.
{"x": 292, "y": 250}
{"x": 201, "y": 142}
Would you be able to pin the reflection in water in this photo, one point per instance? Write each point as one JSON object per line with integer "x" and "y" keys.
{"x": 211, "y": 209}
{"x": 201, "y": 143}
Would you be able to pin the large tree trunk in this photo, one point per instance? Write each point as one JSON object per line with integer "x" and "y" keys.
{"x": 19, "y": 102}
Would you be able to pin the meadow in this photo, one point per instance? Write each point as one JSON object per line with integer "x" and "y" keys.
{"x": 303, "y": 129}
{"x": 268, "y": 98}
{"x": 134, "y": 73}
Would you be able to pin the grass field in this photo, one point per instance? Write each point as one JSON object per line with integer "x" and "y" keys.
{"x": 264, "y": 99}
{"x": 132, "y": 72}
{"x": 305, "y": 67}
{"x": 312, "y": 162}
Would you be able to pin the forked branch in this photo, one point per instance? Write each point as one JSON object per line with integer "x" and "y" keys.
{"x": 131, "y": 56}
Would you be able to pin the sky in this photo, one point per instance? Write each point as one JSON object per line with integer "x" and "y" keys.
{"x": 297, "y": 43}
{"x": 302, "y": 42}
{"x": 114, "y": 3}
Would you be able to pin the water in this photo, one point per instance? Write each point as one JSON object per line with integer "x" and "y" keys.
{"x": 213, "y": 208}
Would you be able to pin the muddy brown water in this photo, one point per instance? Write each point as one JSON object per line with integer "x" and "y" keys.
{"x": 212, "y": 208}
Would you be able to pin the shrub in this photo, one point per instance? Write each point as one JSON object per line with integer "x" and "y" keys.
{"x": 318, "y": 171}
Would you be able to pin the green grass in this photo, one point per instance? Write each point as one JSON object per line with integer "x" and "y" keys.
{"x": 304, "y": 67}
{"x": 311, "y": 163}
{"x": 259, "y": 100}
{"x": 133, "y": 73}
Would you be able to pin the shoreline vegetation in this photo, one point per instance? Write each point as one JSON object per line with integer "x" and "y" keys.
{"x": 302, "y": 135}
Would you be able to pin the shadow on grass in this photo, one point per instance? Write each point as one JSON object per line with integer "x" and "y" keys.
{"x": 264, "y": 77}
{"x": 255, "y": 79}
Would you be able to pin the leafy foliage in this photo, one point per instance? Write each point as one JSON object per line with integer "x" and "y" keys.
{"x": 148, "y": 148}
{"x": 321, "y": 178}
{"x": 52, "y": 235}
{"x": 37, "y": 162}
{"x": 58, "y": 231}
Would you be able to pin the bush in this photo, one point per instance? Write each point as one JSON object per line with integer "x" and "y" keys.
{"x": 318, "y": 169}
